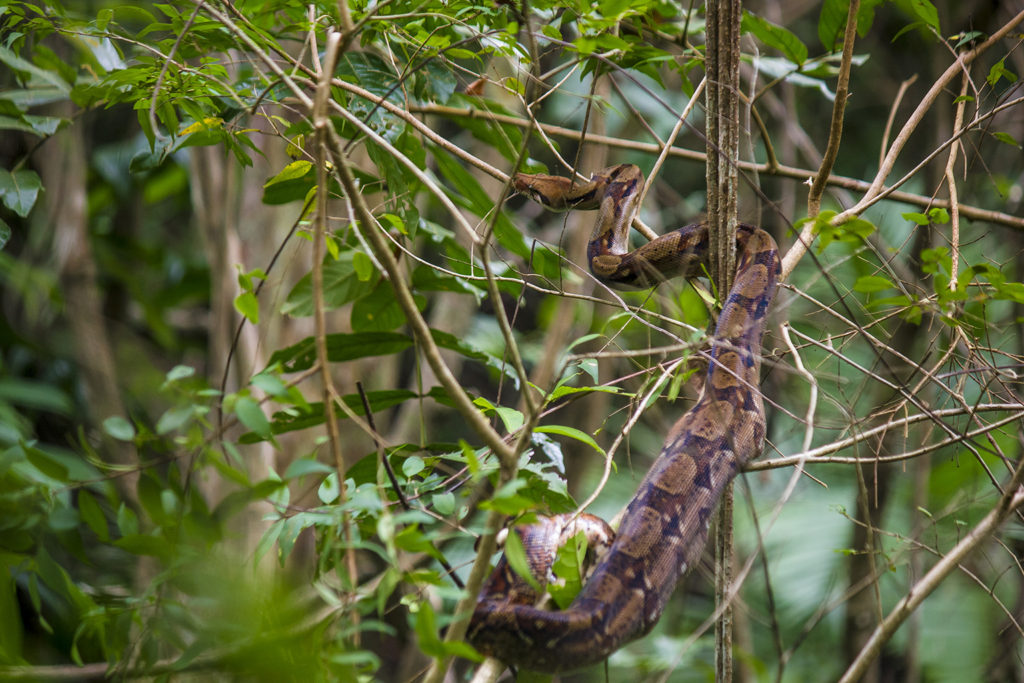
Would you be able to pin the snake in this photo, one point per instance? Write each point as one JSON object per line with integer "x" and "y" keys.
{"x": 664, "y": 528}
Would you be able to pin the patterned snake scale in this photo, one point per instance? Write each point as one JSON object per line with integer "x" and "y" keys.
{"x": 665, "y": 527}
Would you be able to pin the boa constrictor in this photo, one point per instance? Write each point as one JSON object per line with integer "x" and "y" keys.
{"x": 665, "y": 526}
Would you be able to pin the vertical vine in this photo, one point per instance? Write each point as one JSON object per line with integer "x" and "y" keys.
{"x": 723, "y": 59}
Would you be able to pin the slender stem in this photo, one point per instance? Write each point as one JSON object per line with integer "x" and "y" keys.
{"x": 954, "y": 211}
{"x": 835, "y": 134}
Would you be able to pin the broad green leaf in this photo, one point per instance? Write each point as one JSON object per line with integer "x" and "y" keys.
{"x": 515, "y": 553}
{"x": 572, "y": 433}
{"x": 142, "y": 544}
{"x": 872, "y": 283}
{"x": 46, "y": 463}
{"x": 303, "y": 466}
{"x": 449, "y": 341}
{"x": 443, "y": 503}
{"x": 510, "y": 417}
{"x": 342, "y": 285}
{"x": 832, "y": 23}
{"x": 1006, "y": 138}
{"x": 42, "y": 126}
{"x": 999, "y": 70}
{"x": 19, "y": 190}
{"x": 93, "y": 515}
{"x": 127, "y": 521}
{"x": 379, "y": 311}
{"x": 296, "y": 169}
{"x": 469, "y": 194}
{"x": 783, "y": 40}
{"x": 927, "y": 13}
{"x": 179, "y": 372}
{"x": 251, "y": 415}
{"x": 248, "y": 305}
{"x": 311, "y": 415}
{"x": 426, "y": 629}
{"x": 119, "y": 428}
{"x": 412, "y": 466}
{"x": 363, "y": 266}
{"x": 568, "y": 567}
{"x": 37, "y": 75}
{"x": 35, "y": 394}
{"x": 173, "y": 418}
{"x": 269, "y": 383}
{"x": 341, "y": 347}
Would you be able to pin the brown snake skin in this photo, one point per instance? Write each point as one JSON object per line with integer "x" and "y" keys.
{"x": 665, "y": 526}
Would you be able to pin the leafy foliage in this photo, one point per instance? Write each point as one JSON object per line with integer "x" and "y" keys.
{"x": 208, "y": 481}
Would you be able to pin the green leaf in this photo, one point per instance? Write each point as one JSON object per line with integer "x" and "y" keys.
{"x": 443, "y": 503}
{"x": 142, "y": 544}
{"x": 36, "y": 395}
{"x": 248, "y": 305}
{"x": 515, "y": 553}
{"x": 173, "y": 418}
{"x": 303, "y": 466}
{"x": 249, "y": 412}
{"x": 872, "y": 283}
{"x": 46, "y": 463}
{"x": 927, "y": 13}
{"x": 832, "y": 23}
{"x": 854, "y": 230}
{"x": 507, "y": 501}
{"x": 119, "y": 428}
{"x": 572, "y": 433}
{"x": 127, "y": 521}
{"x": 93, "y": 515}
{"x": 469, "y": 194}
{"x": 363, "y": 266}
{"x": 312, "y": 414}
{"x": 413, "y": 465}
{"x": 19, "y": 190}
{"x": 510, "y": 417}
{"x": 43, "y": 126}
{"x": 449, "y": 341}
{"x": 1006, "y": 138}
{"x": 269, "y": 383}
{"x": 8, "y": 57}
{"x": 296, "y": 169}
{"x": 341, "y": 347}
{"x": 426, "y": 629}
{"x": 568, "y": 568}
{"x": 179, "y": 372}
{"x": 918, "y": 218}
{"x": 379, "y": 311}
{"x": 775, "y": 36}
{"x": 342, "y": 285}
{"x": 998, "y": 71}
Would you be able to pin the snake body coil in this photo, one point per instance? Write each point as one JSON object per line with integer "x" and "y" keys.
{"x": 665, "y": 526}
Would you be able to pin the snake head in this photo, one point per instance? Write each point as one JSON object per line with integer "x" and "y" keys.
{"x": 551, "y": 191}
